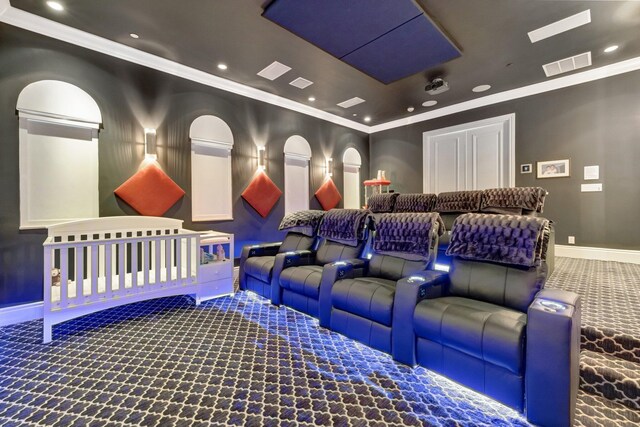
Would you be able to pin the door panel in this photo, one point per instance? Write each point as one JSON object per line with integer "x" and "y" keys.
{"x": 446, "y": 157}
{"x": 487, "y": 157}
{"x": 471, "y": 156}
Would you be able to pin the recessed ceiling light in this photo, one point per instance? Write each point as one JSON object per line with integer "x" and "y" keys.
{"x": 429, "y": 103}
{"x": 55, "y": 5}
{"x": 481, "y": 88}
{"x": 222, "y": 66}
{"x": 367, "y": 119}
{"x": 355, "y": 114}
{"x": 312, "y": 98}
{"x": 134, "y": 36}
{"x": 611, "y": 48}
{"x": 410, "y": 109}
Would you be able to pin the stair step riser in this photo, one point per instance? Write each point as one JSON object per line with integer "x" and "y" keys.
{"x": 610, "y": 377}
{"x": 611, "y": 343}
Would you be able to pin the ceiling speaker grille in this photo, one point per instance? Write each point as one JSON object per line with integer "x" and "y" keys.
{"x": 567, "y": 64}
{"x": 301, "y": 83}
{"x": 351, "y": 102}
{"x": 274, "y": 71}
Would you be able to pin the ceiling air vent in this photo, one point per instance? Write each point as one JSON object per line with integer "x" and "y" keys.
{"x": 351, "y": 102}
{"x": 301, "y": 83}
{"x": 568, "y": 64}
{"x": 274, "y": 71}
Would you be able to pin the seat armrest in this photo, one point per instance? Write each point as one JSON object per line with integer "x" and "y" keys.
{"x": 553, "y": 357}
{"x": 264, "y": 249}
{"x": 410, "y": 291}
{"x": 331, "y": 273}
{"x": 286, "y": 260}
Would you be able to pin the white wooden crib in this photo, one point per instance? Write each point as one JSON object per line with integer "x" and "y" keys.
{"x": 107, "y": 262}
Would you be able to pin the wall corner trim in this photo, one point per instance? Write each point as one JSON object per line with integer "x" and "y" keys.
{"x": 46, "y": 27}
{"x": 600, "y": 254}
{"x": 37, "y": 24}
{"x": 21, "y": 313}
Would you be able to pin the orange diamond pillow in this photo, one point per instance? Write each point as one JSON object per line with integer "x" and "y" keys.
{"x": 328, "y": 195}
{"x": 262, "y": 194}
{"x": 150, "y": 191}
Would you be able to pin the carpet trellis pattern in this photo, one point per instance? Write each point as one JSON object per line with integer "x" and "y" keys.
{"x": 232, "y": 361}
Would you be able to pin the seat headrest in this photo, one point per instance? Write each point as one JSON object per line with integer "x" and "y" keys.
{"x": 409, "y": 235}
{"x": 513, "y": 201}
{"x": 506, "y": 239}
{"x": 415, "y": 203}
{"x": 382, "y": 202}
{"x": 458, "y": 201}
{"x": 347, "y": 226}
{"x": 304, "y": 222}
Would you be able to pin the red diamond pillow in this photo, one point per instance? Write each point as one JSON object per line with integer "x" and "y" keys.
{"x": 262, "y": 194}
{"x": 328, "y": 195}
{"x": 150, "y": 191}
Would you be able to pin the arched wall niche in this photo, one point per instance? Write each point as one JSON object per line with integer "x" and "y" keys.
{"x": 297, "y": 154}
{"x": 211, "y": 185}
{"x": 58, "y": 138}
{"x": 351, "y": 161}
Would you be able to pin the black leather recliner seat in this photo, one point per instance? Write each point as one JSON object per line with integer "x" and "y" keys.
{"x": 343, "y": 234}
{"x": 357, "y": 296}
{"x": 488, "y": 323}
{"x": 256, "y": 261}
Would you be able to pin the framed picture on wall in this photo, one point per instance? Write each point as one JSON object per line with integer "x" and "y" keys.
{"x": 553, "y": 169}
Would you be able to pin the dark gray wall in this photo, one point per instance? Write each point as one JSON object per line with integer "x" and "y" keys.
{"x": 596, "y": 123}
{"x": 131, "y": 98}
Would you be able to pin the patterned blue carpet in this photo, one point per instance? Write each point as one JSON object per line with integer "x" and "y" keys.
{"x": 232, "y": 361}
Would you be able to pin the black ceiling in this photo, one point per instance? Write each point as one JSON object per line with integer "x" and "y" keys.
{"x": 491, "y": 34}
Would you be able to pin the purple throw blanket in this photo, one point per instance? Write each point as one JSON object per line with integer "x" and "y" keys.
{"x": 407, "y": 235}
{"x": 507, "y": 239}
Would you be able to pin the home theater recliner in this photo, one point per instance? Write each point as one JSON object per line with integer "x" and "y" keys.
{"x": 488, "y": 323}
{"x": 256, "y": 261}
{"x": 512, "y": 200}
{"x": 298, "y": 274}
{"x": 357, "y": 296}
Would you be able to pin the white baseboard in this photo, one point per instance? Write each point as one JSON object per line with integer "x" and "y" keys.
{"x": 20, "y": 313}
{"x": 601, "y": 254}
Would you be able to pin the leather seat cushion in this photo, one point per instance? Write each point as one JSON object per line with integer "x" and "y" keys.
{"x": 368, "y": 297}
{"x": 489, "y": 332}
{"x": 303, "y": 280}
{"x": 260, "y": 267}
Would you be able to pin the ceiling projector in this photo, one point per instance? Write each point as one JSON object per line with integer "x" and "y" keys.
{"x": 436, "y": 86}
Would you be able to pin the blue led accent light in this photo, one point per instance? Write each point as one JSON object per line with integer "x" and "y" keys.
{"x": 552, "y": 305}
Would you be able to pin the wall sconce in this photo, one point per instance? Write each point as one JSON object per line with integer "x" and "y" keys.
{"x": 262, "y": 159}
{"x": 329, "y": 167}
{"x": 150, "y": 148}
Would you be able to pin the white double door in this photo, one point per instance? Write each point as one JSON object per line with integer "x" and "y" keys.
{"x": 472, "y": 156}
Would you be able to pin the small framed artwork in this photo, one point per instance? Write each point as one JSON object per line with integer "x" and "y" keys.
{"x": 553, "y": 169}
{"x": 526, "y": 168}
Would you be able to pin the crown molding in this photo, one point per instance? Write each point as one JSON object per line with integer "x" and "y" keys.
{"x": 46, "y": 27}
{"x": 610, "y": 70}
{"x": 37, "y": 24}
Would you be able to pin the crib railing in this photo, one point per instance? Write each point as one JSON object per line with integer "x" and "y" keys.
{"x": 94, "y": 270}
